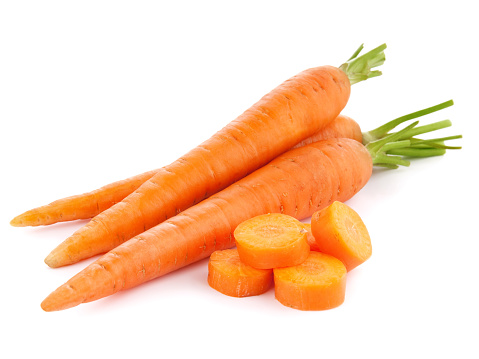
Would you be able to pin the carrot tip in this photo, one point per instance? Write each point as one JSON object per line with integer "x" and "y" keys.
{"x": 63, "y": 297}
{"x": 52, "y": 260}
{"x": 17, "y": 222}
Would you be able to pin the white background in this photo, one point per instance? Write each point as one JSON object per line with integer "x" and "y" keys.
{"x": 96, "y": 91}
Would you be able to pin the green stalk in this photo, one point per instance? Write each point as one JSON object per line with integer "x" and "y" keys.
{"x": 390, "y": 149}
{"x": 381, "y": 131}
{"x": 360, "y": 68}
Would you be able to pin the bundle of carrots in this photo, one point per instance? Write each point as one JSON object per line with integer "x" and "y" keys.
{"x": 291, "y": 153}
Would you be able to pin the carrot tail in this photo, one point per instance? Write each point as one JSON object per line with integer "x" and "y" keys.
{"x": 297, "y": 183}
{"x": 82, "y": 206}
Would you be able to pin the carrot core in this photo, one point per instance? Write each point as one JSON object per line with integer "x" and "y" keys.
{"x": 271, "y": 240}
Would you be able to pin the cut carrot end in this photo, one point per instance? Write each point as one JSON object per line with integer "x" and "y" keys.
{"x": 319, "y": 283}
{"x": 339, "y": 231}
{"x": 310, "y": 238}
{"x": 271, "y": 241}
{"x": 229, "y": 275}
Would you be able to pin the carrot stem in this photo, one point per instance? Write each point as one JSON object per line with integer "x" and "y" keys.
{"x": 383, "y": 130}
{"x": 389, "y": 149}
{"x": 436, "y": 142}
{"x": 360, "y": 68}
{"x": 356, "y": 53}
{"x": 418, "y": 152}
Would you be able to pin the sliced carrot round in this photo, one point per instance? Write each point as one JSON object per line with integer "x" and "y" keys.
{"x": 339, "y": 231}
{"x": 228, "y": 275}
{"x": 318, "y": 283}
{"x": 310, "y": 238}
{"x": 271, "y": 241}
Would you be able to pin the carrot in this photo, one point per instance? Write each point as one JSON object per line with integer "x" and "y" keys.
{"x": 318, "y": 283}
{"x": 271, "y": 240}
{"x": 90, "y": 204}
{"x": 287, "y": 115}
{"x": 297, "y": 183}
{"x": 229, "y": 275}
{"x": 310, "y": 238}
{"x": 82, "y": 206}
{"x": 339, "y": 231}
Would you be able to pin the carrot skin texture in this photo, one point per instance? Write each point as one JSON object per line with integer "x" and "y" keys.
{"x": 82, "y": 206}
{"x": 342, "y": 127}
{"x": 208, "y": 226}
{"x": 90, "y": 204}
{"x": 290, "y": 113}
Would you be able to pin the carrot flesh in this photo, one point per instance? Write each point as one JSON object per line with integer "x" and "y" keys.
{"x": 293, "y": 184}
{"x": 338, "y": 230}
{"x": 310, "y": 238}
{"x": 287, "y": 115}
{"x": 319, "y": 283}
{"x": 271, "y": 240}
{"x": 229, "y": 275}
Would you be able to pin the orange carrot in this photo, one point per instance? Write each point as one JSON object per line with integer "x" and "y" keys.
{"x": 229, "y": 275}
{"x": 296, "y": 183}
{"x": 342, "y": 127}
{"x": 271, "y": 240}
{"x": 82, "y": 206}
{"x": 339, "y": 231}
{"x": 90, "y": 204}
{"x": 310, "y": 238}
{"x": 287, "y": 115}
{"x": 318, "y": 283}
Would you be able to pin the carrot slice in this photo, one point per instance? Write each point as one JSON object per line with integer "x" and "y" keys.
{"x": 271, "y": 240}
{"x": 310, "y": 238}
{"x": 339, "y": 231}
{"x": 229, "y": 275}
{"x": 318, "y": 283}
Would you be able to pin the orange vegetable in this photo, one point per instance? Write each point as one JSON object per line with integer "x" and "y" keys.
{"x": 310, "y": 238}
{"x": 271, "y": 240}
{"x": 318, "y": 283}
{"x": 296, "y": 183}
{"x": 339, "y": 231}
{"x": 82, "y": 206}
{"x": 90, "y": 204}
{"x": 229, "y": 275}
{"x": 287, "y": 115}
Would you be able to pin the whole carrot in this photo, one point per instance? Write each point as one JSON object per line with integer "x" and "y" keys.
{"x": 290, "y": 113}
{"x": 297, "y": 183}
{"x": 88, "y": 205}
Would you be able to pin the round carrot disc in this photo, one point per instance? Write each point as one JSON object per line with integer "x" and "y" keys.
{"x": 318, "y": 283}
{"x": 339, "y": 231}
{"x": 228, "y": 275}
{"x": 271, "y": 241}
